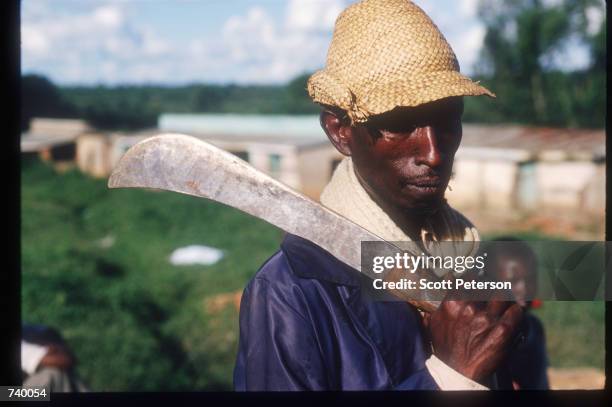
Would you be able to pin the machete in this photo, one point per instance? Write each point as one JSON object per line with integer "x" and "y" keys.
{"x": 188, "y": 165}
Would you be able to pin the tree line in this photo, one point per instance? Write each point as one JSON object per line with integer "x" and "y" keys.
{"x": 134, "y": 107}
{"x": 517, "y": 62}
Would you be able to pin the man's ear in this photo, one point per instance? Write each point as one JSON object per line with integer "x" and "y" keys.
{"x": 338, "y": 132}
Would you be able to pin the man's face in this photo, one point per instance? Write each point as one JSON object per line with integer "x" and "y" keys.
{"x": 405, "y": 157}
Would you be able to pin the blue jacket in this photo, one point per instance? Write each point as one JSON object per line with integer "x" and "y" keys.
{"x": 306, "y": 324}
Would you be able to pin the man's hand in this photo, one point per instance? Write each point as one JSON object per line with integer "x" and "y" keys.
{"x": 473, "y": 337}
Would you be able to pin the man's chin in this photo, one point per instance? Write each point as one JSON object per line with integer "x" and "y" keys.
{"x": 425, "y": 205}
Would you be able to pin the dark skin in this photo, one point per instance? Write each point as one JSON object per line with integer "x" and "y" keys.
{"x": 518, "y": 272}
{"x": 404, "y": 160}
{"x": 58, "y": 356}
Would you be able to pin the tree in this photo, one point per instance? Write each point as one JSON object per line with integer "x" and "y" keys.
{"x": 297, "y": 99}
{"x": 41, "y": 98}
{"x": 522, "y": 44}
{"x": 210, "y": 98}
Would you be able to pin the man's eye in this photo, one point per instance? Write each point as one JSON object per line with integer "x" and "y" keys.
{"x": 391, "y": 134}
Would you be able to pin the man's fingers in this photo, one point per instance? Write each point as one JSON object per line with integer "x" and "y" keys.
{"x": 453, "y": 308}
{"x": 495, "y": 308}
{"x": 508, "y": 323}
{"x": 514, "y": 314}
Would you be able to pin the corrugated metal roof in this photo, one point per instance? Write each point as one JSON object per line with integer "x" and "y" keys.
{"x": 297, "y": 141}
{"x": 513, "y": 142}
{"x": 305, "y": 130}
{"x": 32, "y": 142}
{"x": 58, "y": 127}
{"x": 536, "y": 140}
{"x": 241, "y": 125}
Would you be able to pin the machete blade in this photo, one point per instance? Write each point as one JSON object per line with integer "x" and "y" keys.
{"x": 188, "y": 165}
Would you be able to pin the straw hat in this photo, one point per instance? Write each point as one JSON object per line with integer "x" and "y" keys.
{"x": 384, "y": 54}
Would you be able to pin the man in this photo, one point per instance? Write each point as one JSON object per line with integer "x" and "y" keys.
{"x": 47, "y": 361}
{"x": 391, "y": 92}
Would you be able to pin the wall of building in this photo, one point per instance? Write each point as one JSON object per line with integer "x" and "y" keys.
{"x": 315, "y": 165}
{"x": 563, "y": 184}
{"x": 277, "y": 160}
{"x": 514, "y": 185}
{"x": 93, "y": 154}
{"x": 594, "y": 194}
{"x": 483, "y": 183}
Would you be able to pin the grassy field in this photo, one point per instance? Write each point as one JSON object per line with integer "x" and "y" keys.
{"x": 135, "y": 321}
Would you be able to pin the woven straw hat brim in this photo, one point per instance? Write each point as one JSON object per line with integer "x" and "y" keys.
{"x": 384, "y": 97}
{"x": 415, "y": 91}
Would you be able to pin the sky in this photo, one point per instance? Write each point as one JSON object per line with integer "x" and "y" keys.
{"x": 174, "y": 42}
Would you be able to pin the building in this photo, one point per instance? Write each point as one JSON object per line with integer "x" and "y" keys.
{"x": 93, "y": 154}
{"x": 524, "y": 168}
{"x": 53, "y": 139}
{"x": 497, "y": 167}
{"x": 292, "y": 149}
{"x": 509, "y": 168}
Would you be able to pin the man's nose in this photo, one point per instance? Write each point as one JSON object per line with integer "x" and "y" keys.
{"x": 430, "y": 154}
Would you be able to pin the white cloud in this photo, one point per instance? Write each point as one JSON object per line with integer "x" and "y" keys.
{"x": 34, "y": 10}
{"x": 93, "y": 44}
{"x": 468, "y": 8}
{"x": 33, "y": 41}
{"x": 109, "y": 16}
{"x": 595, "y": 16}
{"x": 249, "y": 37}
{"x": 100, "y": 41}
{"x": 309, "y": 15}
{"x": 268, "y": 51}
{"x": 109, "y": 69}
{"x": 468, "y": 46}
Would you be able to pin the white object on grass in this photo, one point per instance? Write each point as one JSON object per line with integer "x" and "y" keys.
{"x": 106, "y": 242}
{"x": 195, "y": 254}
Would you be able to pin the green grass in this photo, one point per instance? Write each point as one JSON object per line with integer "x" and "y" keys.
{"x": 574, "y": 333}
{"x": 138, "y": 323}
{"x": 135, "y": 321}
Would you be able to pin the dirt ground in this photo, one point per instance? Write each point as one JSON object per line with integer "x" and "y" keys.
{"x": 576, "y": 378}
{"x": 216, "y": 303}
